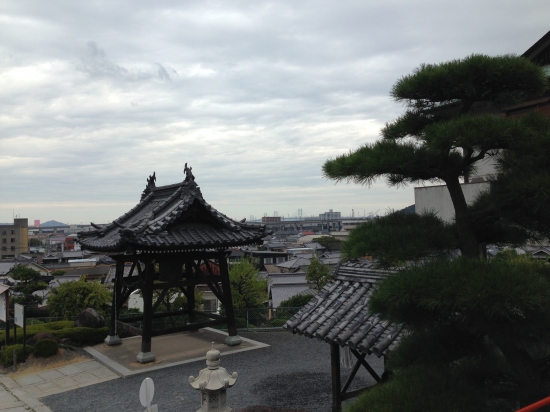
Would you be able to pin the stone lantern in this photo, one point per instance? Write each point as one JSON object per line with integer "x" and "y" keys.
{"x": 213, "y": 383}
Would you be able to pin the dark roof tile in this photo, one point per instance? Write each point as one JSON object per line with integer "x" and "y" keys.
{"x": 174, "y": 216}
{"x": 339, "y": 313}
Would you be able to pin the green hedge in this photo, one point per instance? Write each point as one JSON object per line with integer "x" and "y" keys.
{"x": 35, "y": 329}
{"x": 83, "y": 336}
{"x": 65, "y": 329}
{"x": 7, "y": 355}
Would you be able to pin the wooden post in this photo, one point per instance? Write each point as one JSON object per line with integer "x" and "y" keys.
{"x": 335, "y": 374}
{"x": 191, "y": 294}
{"x": 24, "y": 333}
{"x": 146, "y": 355}
{"x": 7, "y": 342}
{"x": 113, "y": 338}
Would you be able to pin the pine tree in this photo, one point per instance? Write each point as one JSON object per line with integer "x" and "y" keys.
{"x": 438, "y": 139}
{"x": 465, "y": 311}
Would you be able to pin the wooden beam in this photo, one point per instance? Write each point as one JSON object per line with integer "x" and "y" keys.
{"x": 214, "y": 287}
{"x": 210, "y": 315}
{"x": 366, "y": 365}
{"x": 353, "y": 373}
{"x": 335, "y": 376}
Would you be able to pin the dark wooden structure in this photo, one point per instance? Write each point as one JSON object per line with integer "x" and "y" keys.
{"x": 170, "y": 238}
{"x": 339, "y": 316}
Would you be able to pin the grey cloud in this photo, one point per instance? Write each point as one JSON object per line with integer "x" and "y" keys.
{"x": 254, "y": 95}
{"x": 163, "y": 73}
{"x": 96, "y": 65}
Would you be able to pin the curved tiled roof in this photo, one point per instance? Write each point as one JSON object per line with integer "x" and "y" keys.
{"x": 339, "y": 314}
{"x": 173, "y": 217}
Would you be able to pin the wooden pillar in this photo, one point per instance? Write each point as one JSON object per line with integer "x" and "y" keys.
{"x": 233, "y": 339}
{"x": 146, "y": 355}
{"x": 191, "y": 292}
{"x": 335, "y": 375}
{"x": 112, "y": 338}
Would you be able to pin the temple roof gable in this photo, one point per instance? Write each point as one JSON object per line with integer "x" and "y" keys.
{"x": 172, "y": 216}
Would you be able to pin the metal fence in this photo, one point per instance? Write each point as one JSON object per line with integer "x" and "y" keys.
{"x": 245, "y": 319}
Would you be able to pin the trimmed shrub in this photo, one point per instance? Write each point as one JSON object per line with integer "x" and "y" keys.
{"x": 82, "y": 336}
{"x": 35, "y": 329}
{"x": 40, "y": 336}
{"x": 45, "y": 348}
{"x": 422, "y": 388}
{"x": 7, "y": 356}
{"x": 87, "y": 336}
{"x": 276, "y": 323}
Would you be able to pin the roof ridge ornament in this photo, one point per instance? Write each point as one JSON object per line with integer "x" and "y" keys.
{"x": 151, "y": 181}
{"x": 188, "y": 174}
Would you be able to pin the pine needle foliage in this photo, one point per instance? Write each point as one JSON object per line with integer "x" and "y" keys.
{"x": 28, "y": 282}
{"x": 248, "y": 290}
{"x": 503, "y": 299}
{"x": 318, "y": 274}
{"x": 440, "y": 137}
{"x": 464, "y": 311}
{"x": 398, "y": 238}
{"x": 422, "y": 388}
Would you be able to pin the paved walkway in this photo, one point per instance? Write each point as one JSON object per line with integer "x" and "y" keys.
{"x": 21, "y": 394}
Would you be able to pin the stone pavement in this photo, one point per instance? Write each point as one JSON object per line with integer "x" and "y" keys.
{"x": 22, "y": 393}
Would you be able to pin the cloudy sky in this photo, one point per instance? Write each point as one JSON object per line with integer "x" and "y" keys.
{"x": 254, "y": 95}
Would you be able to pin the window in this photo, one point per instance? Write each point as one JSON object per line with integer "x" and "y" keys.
{"x": 12, "y": 240}
{"x": 4, "y": 248}
{"x": 3, "y": 232}
{"x": 13, "y": 232}
{"x": 268, "y": 261}
{"x": 12, "y": 248}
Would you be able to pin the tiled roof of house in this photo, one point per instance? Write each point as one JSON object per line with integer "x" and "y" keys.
{"x": 339, "y": 314}
{"x": 171, "y": 217}
{"x": 5, "y": 267}
{"x": 273, "y": 269}
{"x": 294, "y": 264}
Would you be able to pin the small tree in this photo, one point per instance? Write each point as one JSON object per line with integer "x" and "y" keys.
{"x": 248, "y": 289}
{"x": 34, "y": 242}
{"x": 317, "y": 274}
{"x": 174, "y": 299}
{"x": 58, "y": 272}
{"x": 71, "y": 298}
{"x": 296, "y": 301}
{"x": 28, "y": 282}
{"x": 329, "y": 242}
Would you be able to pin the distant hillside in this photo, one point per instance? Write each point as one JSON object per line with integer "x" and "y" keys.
{"x": 51, "y": 223}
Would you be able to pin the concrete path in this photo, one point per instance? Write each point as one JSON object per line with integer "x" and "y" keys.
{"x": 22, "y": 393}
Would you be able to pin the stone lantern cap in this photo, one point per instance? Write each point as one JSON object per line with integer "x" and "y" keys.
{"x": 214, "y": 377}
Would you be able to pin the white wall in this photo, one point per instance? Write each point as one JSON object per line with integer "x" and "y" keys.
{"x": 437, "y": 198}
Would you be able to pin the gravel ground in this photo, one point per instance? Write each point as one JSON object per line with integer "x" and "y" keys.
{"x": 294, "y": 372}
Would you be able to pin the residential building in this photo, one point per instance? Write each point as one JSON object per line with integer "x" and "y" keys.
{"x": 14, "y": 238}
{"x": 330, "y": 215}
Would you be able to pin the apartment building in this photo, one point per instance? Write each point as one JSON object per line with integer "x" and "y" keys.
{"x": 14, "y": 238}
